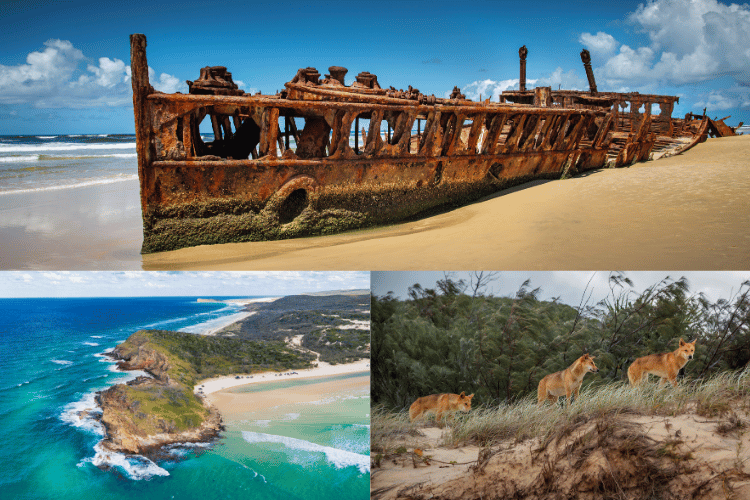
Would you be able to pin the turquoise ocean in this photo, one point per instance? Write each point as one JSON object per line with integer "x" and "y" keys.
{"x": 52, "y": 364}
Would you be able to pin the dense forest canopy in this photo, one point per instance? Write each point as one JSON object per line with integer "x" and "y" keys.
{"x": 457, "y": 338}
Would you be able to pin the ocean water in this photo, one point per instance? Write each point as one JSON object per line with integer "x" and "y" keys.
{"x": 52, "y": 162}
{"x": 51, "y": 366}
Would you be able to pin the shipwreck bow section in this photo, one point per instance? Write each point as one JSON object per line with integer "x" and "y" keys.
{"x": 322, "y": 157}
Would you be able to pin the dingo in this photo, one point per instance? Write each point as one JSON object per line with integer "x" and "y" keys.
{"x": 440, "y": 403}
{"x": 665, "y": 365}
{"x": 566, "y": 382}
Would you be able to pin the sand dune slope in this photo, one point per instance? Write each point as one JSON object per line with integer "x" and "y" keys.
{"x": 627, "y": 457}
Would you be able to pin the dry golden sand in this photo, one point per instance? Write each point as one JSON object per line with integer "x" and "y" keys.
{"x": 690, "y": 211}
{"x": 234, "y": 405}
{"x": 712, "y": 464}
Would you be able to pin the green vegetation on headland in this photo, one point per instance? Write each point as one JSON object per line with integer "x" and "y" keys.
{"x": 193, "y": 357}
{"x": 324, "y": 322}
{"x": 457, "y": 338}
{"x": 166, "y": 403}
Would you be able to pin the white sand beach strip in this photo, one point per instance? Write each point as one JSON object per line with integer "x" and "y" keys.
{"x": 322, "y": 370}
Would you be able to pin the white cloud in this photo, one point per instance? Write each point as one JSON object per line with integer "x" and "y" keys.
{"x": 690, "y": 41}
{"x": 737, "y": 96}
{"x": 52, "y": 78}
{"x": 492, "y": 89}
{"x": 601, "y": 44}
{"x": 716, "y": 100}
{"x": 489, "y": 88}
{"x": 137, "y": 283}
{"x": 558, "y": 79}
{"x": 166, "y": 83}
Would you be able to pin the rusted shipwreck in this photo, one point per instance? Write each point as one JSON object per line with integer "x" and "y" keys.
{"x": 321, "y": 157}
{"x": 636, "y": 134}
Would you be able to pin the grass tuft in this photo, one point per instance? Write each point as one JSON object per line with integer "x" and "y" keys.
{"x": 525, "y": 419}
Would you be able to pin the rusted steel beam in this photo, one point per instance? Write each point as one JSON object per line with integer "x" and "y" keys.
{"x": 522, "y": 53}
{"x": 586, "y": 58}
{"x": 141, "y": 109}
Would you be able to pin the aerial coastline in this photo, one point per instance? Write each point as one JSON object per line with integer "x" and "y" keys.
{"x": 176, "y": 402}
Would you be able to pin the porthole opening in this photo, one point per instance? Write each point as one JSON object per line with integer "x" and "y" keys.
{"x": 292, "y": 206}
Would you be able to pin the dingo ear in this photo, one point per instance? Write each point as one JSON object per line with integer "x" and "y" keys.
{"x": 463, "y": 394}
{"x": 682, "y": 342}
{"x": 470, "y": 396}
{"x": 694, "y": 341}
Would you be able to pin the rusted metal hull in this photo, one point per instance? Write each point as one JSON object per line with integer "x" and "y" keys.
{"x": 230, "y": 201}
{"x": 321, "y": 157}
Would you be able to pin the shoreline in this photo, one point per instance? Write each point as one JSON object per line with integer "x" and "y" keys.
{"x": 229, "y": 319}
{"x": 323, "y": 369}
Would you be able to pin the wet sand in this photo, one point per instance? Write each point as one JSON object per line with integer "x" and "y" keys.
{"x": 236, "y": 405}
{"x": 84, "y": 228}
{"x": 690, "y": 211}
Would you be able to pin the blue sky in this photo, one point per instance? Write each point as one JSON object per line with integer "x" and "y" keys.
{"x": 64, "y": 65}
{"x": 17, "y": 284}
{"x": 567, "y": 285}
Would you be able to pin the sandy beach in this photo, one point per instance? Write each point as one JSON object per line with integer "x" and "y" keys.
{"x": 83, "y": 228}
{"x": 323, "y": 369}
{"x": 235, "y": 405}
{"x": 685, "y": 212}
{"x": 212, "y": 327}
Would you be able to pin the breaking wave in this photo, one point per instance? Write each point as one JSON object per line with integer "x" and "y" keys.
{"x": 135, "y": 467}
{"x": 338, "y": 458}
{"x": 63, "y": 146}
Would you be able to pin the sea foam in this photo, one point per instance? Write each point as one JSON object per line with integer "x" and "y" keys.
{"x": 93, "y": 182}
{"x": 135, "y": 466}
{"x": 14, "y": 159}
{"x": 63, "y": 146}
{"x": 89, "y": 421}
{"x": 339, "y": 458}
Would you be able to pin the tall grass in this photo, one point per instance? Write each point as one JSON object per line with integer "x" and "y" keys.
{"x": 525, "y": 419}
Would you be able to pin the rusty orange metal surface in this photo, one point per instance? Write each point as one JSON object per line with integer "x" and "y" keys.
{"x": 322, "y": 157}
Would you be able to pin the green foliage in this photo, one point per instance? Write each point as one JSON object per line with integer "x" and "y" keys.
{"x": 157, "y": 407}
{"x": 499, "y": 348}
{"x": 324, "y": 322}
{"x": 165, "y": 409}
{"x": 338, "y": 345}
{"x": 193, "y": 357}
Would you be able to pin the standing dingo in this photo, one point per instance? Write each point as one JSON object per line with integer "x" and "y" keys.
{"x": 440, "y": 403}
{"x": 566, "y": 382}
{"x": 665, "y": 365}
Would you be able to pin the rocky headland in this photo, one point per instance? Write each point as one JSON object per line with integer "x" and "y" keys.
{"x": 132, "y": 427}
{"x": 150, "y": 412}
{"x": 294, "y": 332}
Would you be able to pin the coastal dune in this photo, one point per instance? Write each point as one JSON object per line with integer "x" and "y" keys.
{"x": 685, "y": 212}
{"x": 630, "y": 456}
